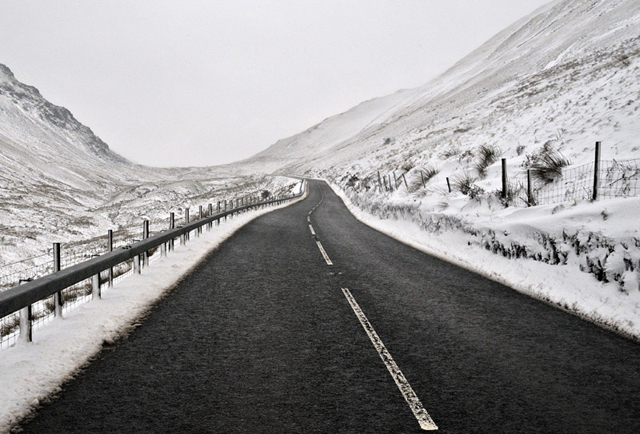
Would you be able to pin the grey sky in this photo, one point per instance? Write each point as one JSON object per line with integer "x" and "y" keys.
{"x": 202, "y": 82}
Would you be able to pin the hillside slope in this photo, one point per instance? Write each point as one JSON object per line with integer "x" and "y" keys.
{"x": 539, "y": 94}
{"x": 566, "y": 73}
{"x": 60, "y": 183}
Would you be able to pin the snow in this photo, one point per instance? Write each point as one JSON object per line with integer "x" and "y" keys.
{"x": 563, "y": 286}
{"x": 29, "y": 373}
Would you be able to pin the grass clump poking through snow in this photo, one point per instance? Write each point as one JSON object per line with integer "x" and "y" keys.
{"x": 546, "y": 164}
{"x": 465, "y": 184}
{"x": 549, "y": 168}
{"x": 487, "y": 155}
{"x": 429, "y": 173}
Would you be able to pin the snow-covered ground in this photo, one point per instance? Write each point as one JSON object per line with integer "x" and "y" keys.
{"x": 561, "y": 241}
{"x": 539, "y": 94}
{"x": 33, "y": 372}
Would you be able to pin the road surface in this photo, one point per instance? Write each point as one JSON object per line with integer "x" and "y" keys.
{"x": 266, "y": 337}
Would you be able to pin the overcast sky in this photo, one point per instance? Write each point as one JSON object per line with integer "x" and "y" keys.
{"x": 205, "y": 82}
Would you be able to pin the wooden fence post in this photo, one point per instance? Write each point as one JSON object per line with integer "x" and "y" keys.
{"x": 448, "y": 184}
{"x": 530, "y": 200}
{"x": 596, "y": 173}
{"x": 424, "y": 184}
{"x": 504, "y": 178}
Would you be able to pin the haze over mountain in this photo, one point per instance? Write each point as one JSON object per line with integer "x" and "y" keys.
{"x": 566, "y": 73}
{"x": 61, "y": 183}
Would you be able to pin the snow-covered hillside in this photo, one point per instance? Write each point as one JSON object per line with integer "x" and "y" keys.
{"x": 546, "y": 88}
{"x": 61, "y": 183}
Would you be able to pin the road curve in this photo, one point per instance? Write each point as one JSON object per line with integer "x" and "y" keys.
{"x": 264, "y": 336}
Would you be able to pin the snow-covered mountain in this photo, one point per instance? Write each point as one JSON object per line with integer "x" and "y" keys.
{"x": 566, "y": 73}
{"x": 61, "y": 183}
{"x": 548, "y": 87}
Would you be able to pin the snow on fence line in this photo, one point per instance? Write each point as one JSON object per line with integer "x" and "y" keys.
{"x": 66, "y": 283}
{"x": 601, "y": 179}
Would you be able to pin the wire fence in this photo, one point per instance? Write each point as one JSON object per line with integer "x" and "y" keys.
{"x": 615, "y": 179}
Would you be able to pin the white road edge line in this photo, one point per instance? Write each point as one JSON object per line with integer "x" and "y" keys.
{"x": 324, "y": 254}
{"x": 425, "y": 421}
{"x": 312, "y": 231}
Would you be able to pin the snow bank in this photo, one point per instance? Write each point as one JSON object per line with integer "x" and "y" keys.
{"x": 29, "y": 373}
{"x": 564, "y": 245}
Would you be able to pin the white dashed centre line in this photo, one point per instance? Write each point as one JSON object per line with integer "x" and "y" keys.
{"x": 425, "y": 421}
{"x": 324, "y": 254}
{"x": 311, "y": 229}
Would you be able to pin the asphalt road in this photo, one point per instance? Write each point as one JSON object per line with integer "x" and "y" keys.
{"x": 262, "y": 338}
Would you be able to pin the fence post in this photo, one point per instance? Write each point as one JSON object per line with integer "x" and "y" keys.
{"x": 110, "y": 249}
{"x": 395, "y": 180}
{"x": 448, "y": 184}
{"x": 504, "y": 178}
{"x": 200, "y": 215}
{"x": 596, "y": 172}
{"x": 145, "y": 235}
{"x": 26, "y": 315}
{"x": 424, "y": 185}
{"x": 390, "y": 185}
{"x": 172, "y": 225}
{"x": 530, "y": 200}
{"x": 405, "y": 182}
{"x": 379, "y": 181}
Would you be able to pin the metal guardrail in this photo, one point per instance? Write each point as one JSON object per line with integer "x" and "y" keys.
{"x": 20, "y": 298}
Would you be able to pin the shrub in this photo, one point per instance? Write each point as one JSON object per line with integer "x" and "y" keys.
{"x": 547, "y": 168}
{"x": 465, "y": 184}
{"x": 429, "y": 173}
{"x": 487, "y": 155}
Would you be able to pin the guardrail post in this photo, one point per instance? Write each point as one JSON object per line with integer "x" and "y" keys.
{"x": 95, "y": 284}
{"x": 145, "y": 235}
{"x": 110, "y": 248}
{"x": 136, "y": 264}
{"x": 210, "y": 214}
{"x": 172, "y": 225}
{"x": 185, "y": 237}
{"x": 57, "y": 297}
{"x": 26, "y": 316}
{"x": 596, "y": 173}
